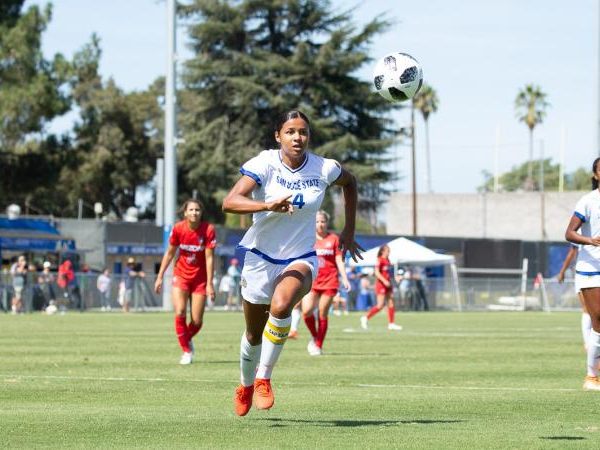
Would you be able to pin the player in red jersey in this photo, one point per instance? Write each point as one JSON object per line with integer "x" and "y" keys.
{"x": 383, "y": 290}
{"x": 326, "y": 284}
{"x": 193, "y": 274}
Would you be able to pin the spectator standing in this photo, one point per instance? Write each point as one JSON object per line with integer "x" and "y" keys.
{"x": 131, "y": 276}
{"x": 103, "y": 284}
{"x": 18, "y": 272}
{"x": 46, "y": 282}
{"x": 233, "y": 294}
{"x": 67, "y": 281}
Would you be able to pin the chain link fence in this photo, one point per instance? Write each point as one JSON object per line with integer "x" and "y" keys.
{"x": 476, "y": 294}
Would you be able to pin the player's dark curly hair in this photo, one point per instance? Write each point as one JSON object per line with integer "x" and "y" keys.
{"x": 191, "y": 200}
{"x": 594, "y": 167}
{"x": 293, "y": 114}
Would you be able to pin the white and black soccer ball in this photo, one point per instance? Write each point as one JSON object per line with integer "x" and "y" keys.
{"x": 397, "y": 77}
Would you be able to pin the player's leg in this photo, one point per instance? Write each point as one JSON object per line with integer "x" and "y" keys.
{"x": 391, "y": 313}
{"x": 586, "y": 321}
{"x": 374, "y": 310}
{"x": 592, "y": 303}
{"x": 324, "y": 304}
{"x": 257, "y": 290}
{"x": 180, "y": 302}
{"x": 309, "y": 303}
{"x": 256, "y": 316}
{"x": 197, "y": 308}
{"x": 296, "y": 316}
{"x": 293, "y": 284}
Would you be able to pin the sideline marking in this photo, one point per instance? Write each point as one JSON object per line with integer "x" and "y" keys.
{"x": 13, "y": 377}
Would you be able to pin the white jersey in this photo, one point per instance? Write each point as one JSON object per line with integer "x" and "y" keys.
{"x": 277, "y": 237}
{"x": 588, "y": 210}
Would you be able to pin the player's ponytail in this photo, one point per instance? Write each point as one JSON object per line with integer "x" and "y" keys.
{"x": 594, "y": 180}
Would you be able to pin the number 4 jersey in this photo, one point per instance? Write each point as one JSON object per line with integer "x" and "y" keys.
{"x": 283, "y": 237}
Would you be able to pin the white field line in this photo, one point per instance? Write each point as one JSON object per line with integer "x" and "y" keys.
{"x": 13, "y": 377}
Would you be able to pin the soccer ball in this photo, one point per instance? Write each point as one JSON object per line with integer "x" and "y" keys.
{"x": 51, "y": 309}
{"x": 397, "y": 77}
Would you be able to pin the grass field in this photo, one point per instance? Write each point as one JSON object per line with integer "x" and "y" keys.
{"x": 449, "y": 380}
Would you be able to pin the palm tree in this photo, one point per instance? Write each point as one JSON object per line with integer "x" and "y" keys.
{"x": 426, "y": 101}
{"x": 531, "y": 105}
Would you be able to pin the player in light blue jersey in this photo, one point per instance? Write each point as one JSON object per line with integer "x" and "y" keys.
{"x": 586, "y": 220}
{"x": 283, "y": 188}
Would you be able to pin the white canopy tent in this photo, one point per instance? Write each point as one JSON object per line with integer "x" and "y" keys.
{"x": 405, "y": 251}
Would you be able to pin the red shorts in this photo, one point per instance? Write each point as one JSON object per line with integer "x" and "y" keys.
{"x": 326, "y": 292}
{"x": 380, "y": 289}
{"x": 193, "y": 286}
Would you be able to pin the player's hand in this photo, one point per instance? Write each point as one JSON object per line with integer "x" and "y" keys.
{"x": 281, "y": 205}
{"x": 347, "y": 285}
{"x": 560, "y": 277}
{"x": 348, "y": 244}
{"x": 158, "y": 285}
{"x": 210, "y": 291}
{"x": 595, "y": 241}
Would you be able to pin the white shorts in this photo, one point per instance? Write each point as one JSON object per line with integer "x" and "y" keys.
{"x": 586, "y": 281}
{"x": 259, "y": 275}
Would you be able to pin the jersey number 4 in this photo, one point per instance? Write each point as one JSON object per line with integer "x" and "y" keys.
{"x": 298, "y": 201}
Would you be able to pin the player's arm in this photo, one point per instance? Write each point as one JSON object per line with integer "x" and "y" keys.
{"x": 339, "y": 262}
{"x": 573, "y": 236}
{"x": 349, "y": 188}
{"x": 166, "y": 260}
{"x": 572, "y": 253}
{"x": 238, "y": 200}
{"x": 209, "y": 255}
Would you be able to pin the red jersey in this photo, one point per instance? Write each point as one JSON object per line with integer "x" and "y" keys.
{"x": 385, "y": 267}
{"x": 327, "y": 250}
{"x": 191, "y": 262}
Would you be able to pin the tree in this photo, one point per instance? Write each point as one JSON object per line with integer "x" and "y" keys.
{"x": 258, "y": 58}
{"x": 115, "y": 143}
{"x": 31, "y": 95}
{"x": 426, "y": 101}
{"x": 515, "y": 179}
{"x": 530, "y": 106}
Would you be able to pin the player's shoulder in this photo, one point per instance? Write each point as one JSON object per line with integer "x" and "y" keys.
{"x": 179, "y": 226}
{"x": 592, "y": 196}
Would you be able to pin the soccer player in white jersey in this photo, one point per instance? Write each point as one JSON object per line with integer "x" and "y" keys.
{"x": 284, "y": 189}
{"x": 586, "y": 219}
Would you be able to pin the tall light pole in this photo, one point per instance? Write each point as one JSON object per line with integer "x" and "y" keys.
{"x": 170, "y": 157}
{"x": 414, "y": 168}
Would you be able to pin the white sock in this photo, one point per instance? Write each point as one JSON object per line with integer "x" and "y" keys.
{"x": 249, "y": 356}
{"x": 274, "y": 336}
{"x": 586, "y": 327}
{"x": 296, "y": 316}
{"x": 593, "y": 353}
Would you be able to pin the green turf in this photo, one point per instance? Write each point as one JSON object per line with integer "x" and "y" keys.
{"x": 448, "y": 380}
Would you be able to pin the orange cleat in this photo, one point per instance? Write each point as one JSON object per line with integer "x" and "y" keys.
{"x": 293, "y": 334}
{"x": 243, "y": 399}
{"x": 264, "y": 398}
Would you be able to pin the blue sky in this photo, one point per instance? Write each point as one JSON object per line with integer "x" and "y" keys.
{"x": 476, "y": 54}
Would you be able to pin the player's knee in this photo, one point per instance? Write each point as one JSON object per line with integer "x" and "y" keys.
{"x": 254, "y": 338}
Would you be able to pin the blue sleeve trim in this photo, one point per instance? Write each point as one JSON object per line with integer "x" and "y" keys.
{"x": 580, "y": 216}
{"x": 251, "y": 175}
